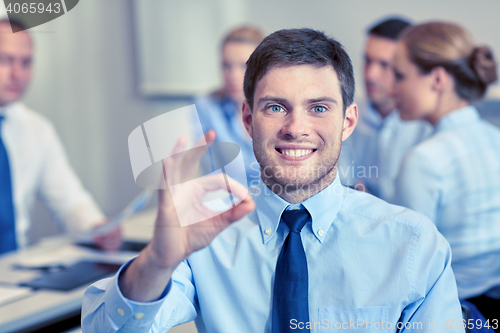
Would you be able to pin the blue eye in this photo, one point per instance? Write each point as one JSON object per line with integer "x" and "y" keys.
{"x": 319, "y": 109}
{"x": 276, "y": 108}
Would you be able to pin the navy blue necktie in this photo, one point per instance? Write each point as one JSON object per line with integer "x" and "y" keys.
{"x": 290, "y": 295}
{"x": 7, "y": 221}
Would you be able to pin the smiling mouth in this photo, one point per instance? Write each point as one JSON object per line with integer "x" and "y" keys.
{"x": 295, "y": 152}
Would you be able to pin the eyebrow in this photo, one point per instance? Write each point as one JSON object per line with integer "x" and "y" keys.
{"x": 322, "y": 99}
{"x": 271, "y": 99}
{"x": 309, "y": 101}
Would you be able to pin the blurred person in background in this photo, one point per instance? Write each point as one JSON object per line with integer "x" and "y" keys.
{"x": 371, "y": 157}
{"x": 453, "y": 177}
{"x": 221, "y": 110}
{"x": 32, "y": 160}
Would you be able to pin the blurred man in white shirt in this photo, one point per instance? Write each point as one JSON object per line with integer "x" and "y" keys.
{"x": 35, "y": 159}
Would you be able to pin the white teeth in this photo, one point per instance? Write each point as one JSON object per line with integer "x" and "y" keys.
{"x": 296, "y": 152}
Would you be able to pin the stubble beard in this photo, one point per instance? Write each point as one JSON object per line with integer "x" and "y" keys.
{"x": 296, "y": 184}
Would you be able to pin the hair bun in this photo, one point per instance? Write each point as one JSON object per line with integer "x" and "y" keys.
{"x": 484, "y": 64}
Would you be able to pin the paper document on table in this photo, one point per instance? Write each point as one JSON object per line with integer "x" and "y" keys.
{"x": 10, "y": 294}
{"x": 135, "y": 206}
{"x": 68, "y": 255}
{"x": 60, "y": 256}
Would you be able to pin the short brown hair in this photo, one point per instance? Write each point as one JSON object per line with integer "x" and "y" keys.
{"x": 15, "y": 25}
{"x": 293, "y": 47}
{"x": 244, "y": 34}
{"x": 448, "y": 45}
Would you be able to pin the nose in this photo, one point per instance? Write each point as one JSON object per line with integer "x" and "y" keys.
{"x": 371, "y": 72}
{"x": 295, "y": 125}
{"x": 17, "y": 70}
{"x": 236, "y": 75}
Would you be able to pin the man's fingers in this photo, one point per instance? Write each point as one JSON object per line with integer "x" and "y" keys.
{"x": 186, "y": 162}
{"x": 244, "y": 204}
{"x": 236, "y": 188}
{"x": 240, "y": 210}
{"x": 193, "y": 157}
{"x": 221, "y": 182}
{"x": 163, "y": 196}
{"x": 170, "y": 163}
{"x": 209, "y": 138}
{"x": 223, "y": 219}
{"x": 180, "y": 145}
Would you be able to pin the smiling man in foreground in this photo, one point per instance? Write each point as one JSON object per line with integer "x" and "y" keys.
{"x": 305, "y": 253}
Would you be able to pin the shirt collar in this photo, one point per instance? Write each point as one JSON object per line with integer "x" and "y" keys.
{"x": 8, "y": 110}
{"x": 323, "y": 208}
{"x": 375, "y": 119}
{"x": 458, "y": 118}
{"x": 228, "y": 106}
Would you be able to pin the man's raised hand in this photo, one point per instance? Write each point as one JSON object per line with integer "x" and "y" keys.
{"x": 147, "y": 276}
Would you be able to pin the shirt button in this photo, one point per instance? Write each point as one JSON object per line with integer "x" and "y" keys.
{"x": 321, "y": 232}
{"x": 139, "y": 316}
{"x": 120, "y": 311}
{"x": 268, "y": 231}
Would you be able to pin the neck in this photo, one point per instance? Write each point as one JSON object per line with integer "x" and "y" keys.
{"x": 384, "y": 109}
{"x": 239, "y": 104}
{"x": 446, "y": 105}
{"x": 297, "y": 193}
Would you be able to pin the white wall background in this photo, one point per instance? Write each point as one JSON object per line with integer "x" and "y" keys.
{"x": 191, "y": 30}
{"x": 88, "y": 75}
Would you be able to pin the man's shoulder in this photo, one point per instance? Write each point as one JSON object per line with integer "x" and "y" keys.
{"x": 212, "y": 100}
{"x": 30, "y": 117}
{"x": 374, "y": 210}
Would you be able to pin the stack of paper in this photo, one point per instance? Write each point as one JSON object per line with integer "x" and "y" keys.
{"x": 10, "y": 294}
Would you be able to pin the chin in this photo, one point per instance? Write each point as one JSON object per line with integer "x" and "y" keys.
{"x": 406, "y": 115}
{"x": 302, "y": 177}
{"x": 9, "y": 99}
{"x": 236, "y": 96}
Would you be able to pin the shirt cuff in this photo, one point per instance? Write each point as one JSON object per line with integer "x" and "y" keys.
{"x": 121, "y": 309}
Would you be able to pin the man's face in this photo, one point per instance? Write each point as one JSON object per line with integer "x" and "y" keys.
{"x": 379, "y": 77}
{"x": 297, "y": 125}
{"x": 15, "y": 64}
{"x": 234, "y": 58}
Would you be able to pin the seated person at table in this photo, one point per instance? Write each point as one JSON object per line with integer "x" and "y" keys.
{"x": 305, "y": 252}
{"x": 32, "y": 159}
{"x": 221, "y": 110}
{"x": 454, "y": 176}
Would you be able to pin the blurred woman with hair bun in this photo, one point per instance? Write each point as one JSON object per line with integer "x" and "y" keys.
{"x": 453, "y": 177}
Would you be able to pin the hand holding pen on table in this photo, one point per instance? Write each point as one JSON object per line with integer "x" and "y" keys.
{"x": 108, "y": 235}
{"x": 110, "y": 241}
{"x": 146, "y": 278}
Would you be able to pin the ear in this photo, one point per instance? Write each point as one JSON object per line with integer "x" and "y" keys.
{"x": 350, "y": 120}
{"x": 440, "y": 78}
{"x": 247, "y": 115}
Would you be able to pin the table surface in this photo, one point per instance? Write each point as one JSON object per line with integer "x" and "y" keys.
{"x": 45, "y": 306}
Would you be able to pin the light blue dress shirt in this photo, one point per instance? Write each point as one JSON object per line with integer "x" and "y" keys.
{"x": 370, "y": 265}
{"x": 220, "y": 114}
{"x": 374, "y": 151}
{"x": 454, "y": 179}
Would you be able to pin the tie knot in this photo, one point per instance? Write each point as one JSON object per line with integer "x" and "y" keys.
{"x": 295, "y": 219}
